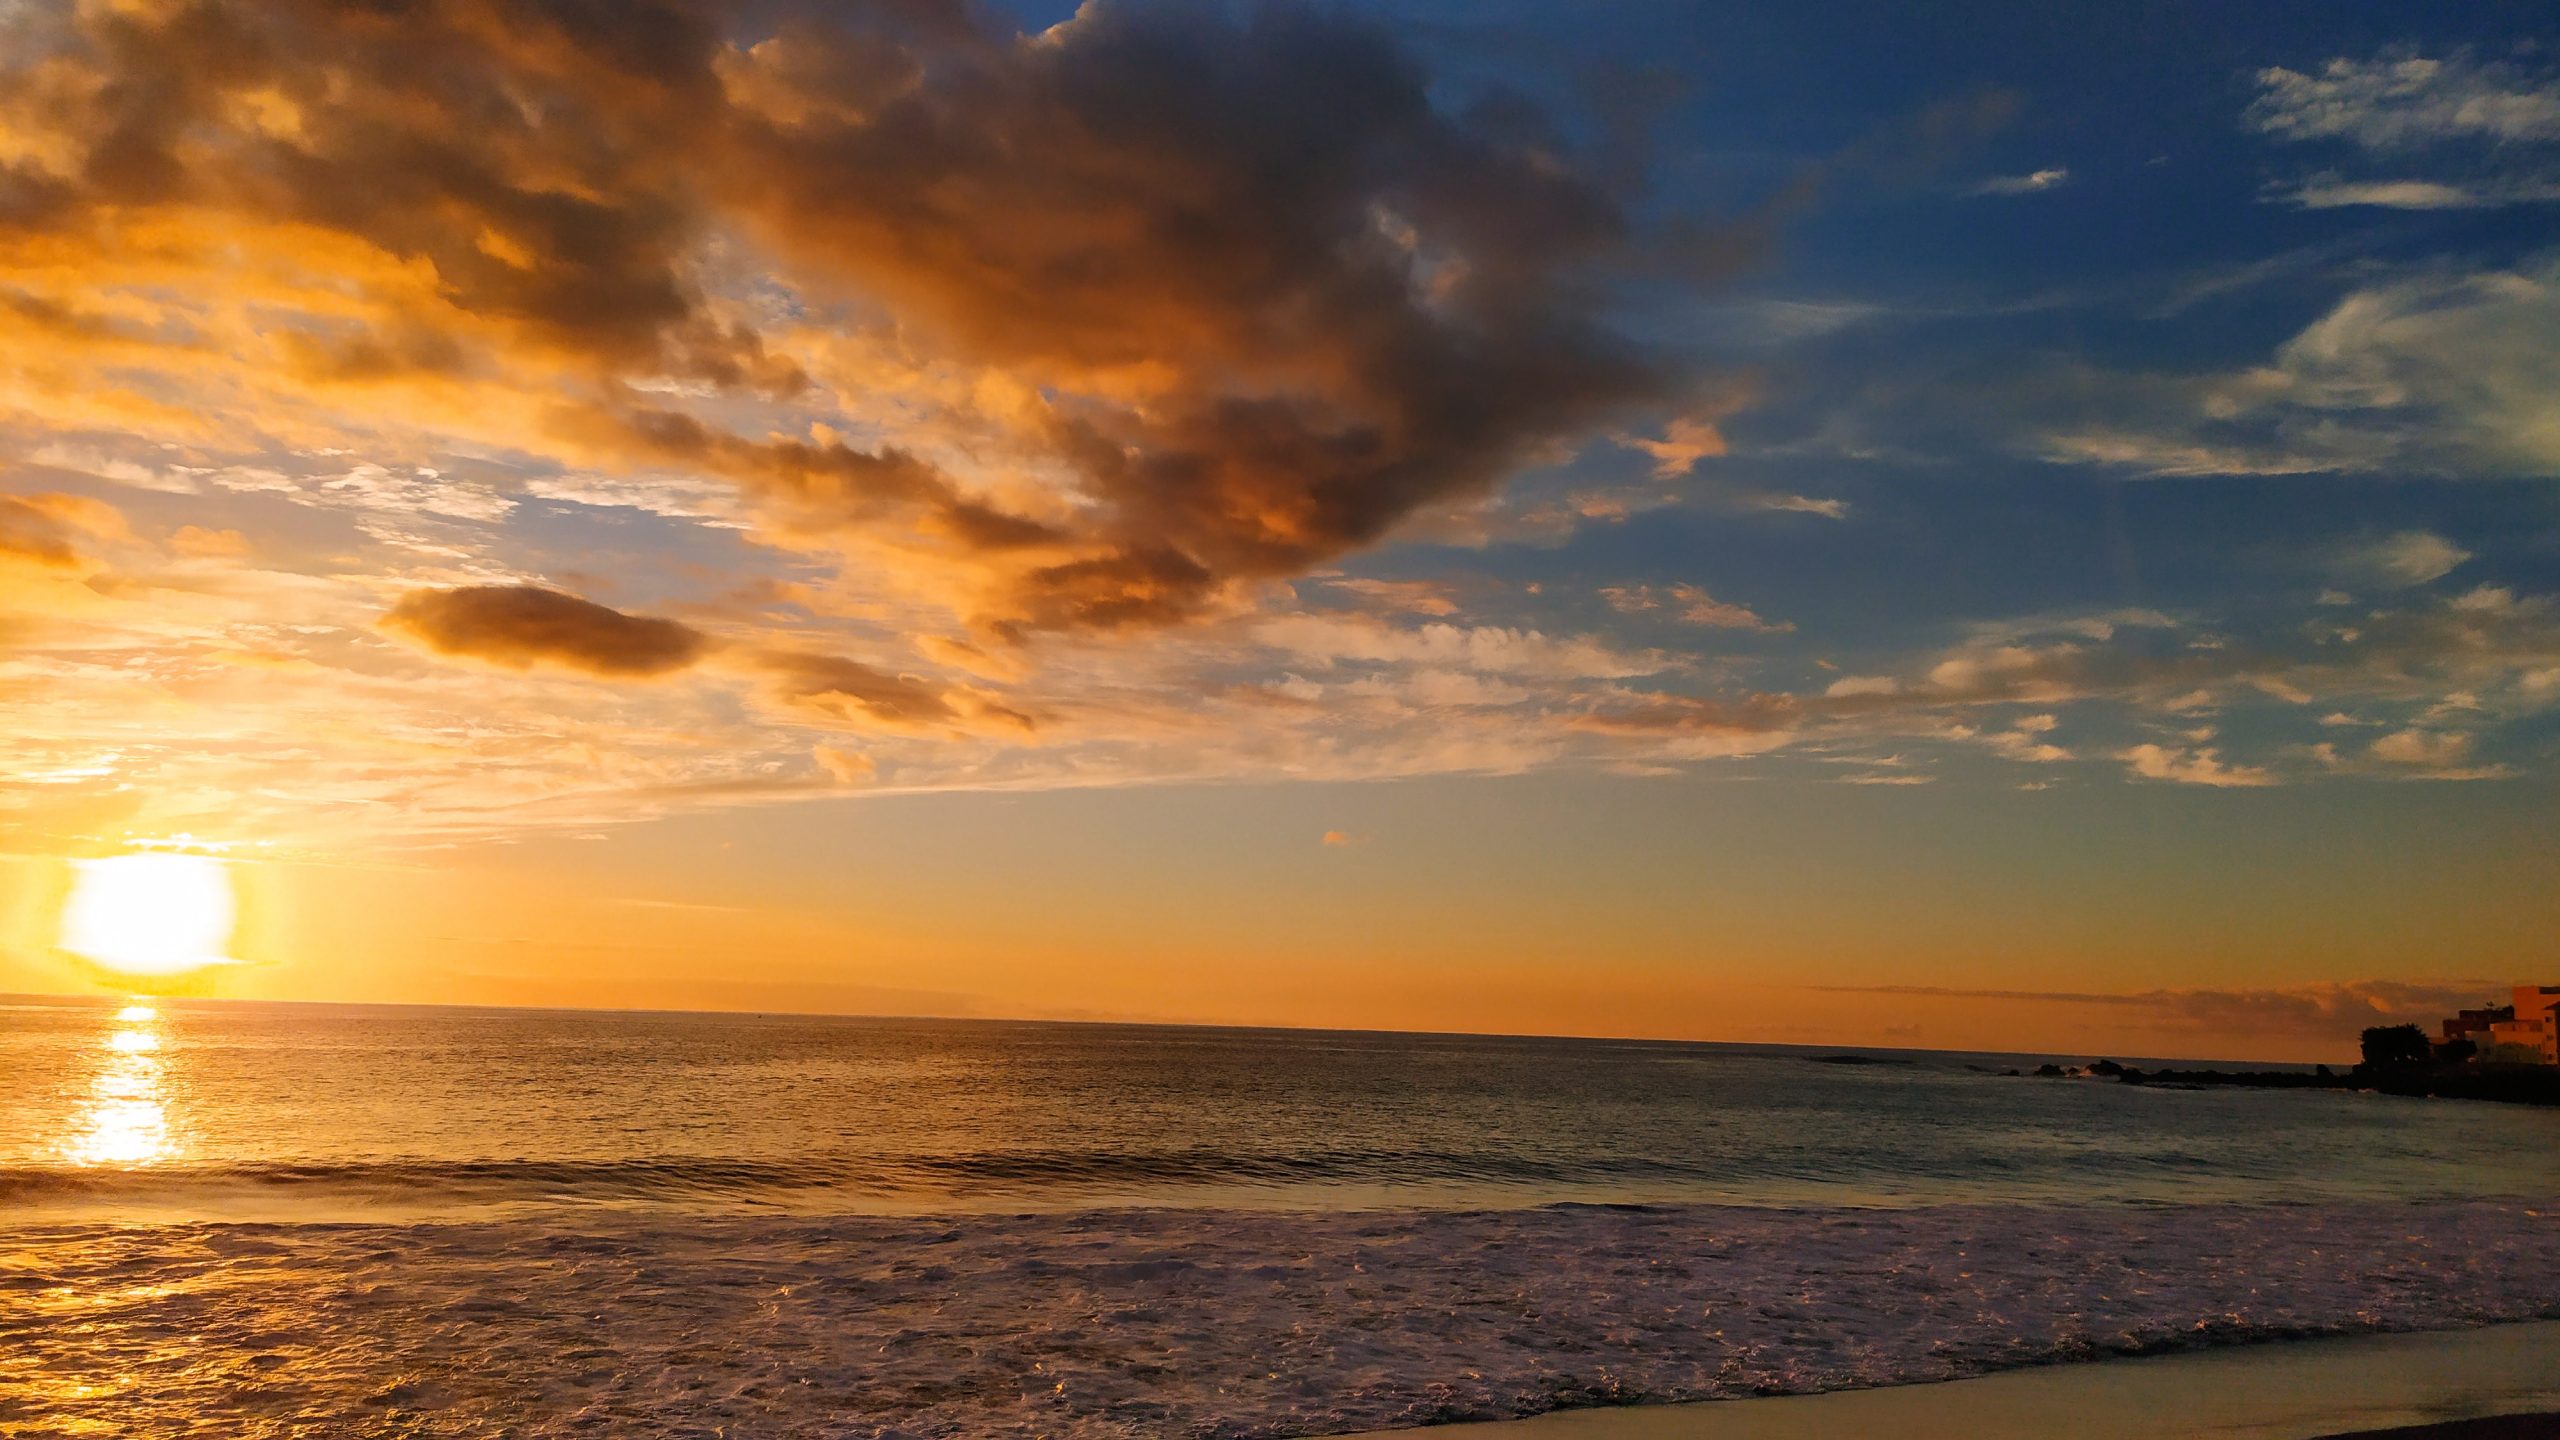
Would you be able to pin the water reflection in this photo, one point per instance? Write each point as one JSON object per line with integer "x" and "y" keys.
{"x": 125, "y": 1120}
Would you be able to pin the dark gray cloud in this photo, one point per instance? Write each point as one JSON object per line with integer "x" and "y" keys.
{"x": 1346, "y": 303}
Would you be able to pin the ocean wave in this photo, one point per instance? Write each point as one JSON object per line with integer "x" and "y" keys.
{"x": 61, "y": 1190}
{"x": 422, "y": 1180}
{"x": 1236, "y": 1324}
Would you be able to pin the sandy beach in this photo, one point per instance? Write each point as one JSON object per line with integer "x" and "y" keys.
{"x": 2497, "y": 1383}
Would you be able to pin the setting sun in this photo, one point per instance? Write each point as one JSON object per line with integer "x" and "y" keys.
{"x": 149, "y": 914}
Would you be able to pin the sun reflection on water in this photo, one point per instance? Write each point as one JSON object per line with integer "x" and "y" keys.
{"x": 125, "y": 1120}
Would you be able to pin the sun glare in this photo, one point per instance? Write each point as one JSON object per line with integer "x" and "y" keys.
{"x": 149, "y": 914}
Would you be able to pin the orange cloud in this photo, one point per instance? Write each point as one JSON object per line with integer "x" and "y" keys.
{"x": 50, "y": 530}
{"x": 1232, "y": 335}
{"x": 201, "y": 543}
{"x": 520, "y": 626}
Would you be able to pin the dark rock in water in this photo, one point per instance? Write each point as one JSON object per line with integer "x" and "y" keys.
{"x": 2508, "y": 1084}
{"x": 2049, "y": 1070}
{"x": 2106, "y": 1067}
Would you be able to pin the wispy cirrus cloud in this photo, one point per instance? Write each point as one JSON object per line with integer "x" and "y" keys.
{"x": 2408, "y": 557}
{"x": 2330, "y": 191}
{"x": 2441, "y": 373}
{"x": 1497, "y": 650}
{"x": 2489, "y": 130}
{"x": 2400, "y": 101}
{"x": 1690, "y": 605}
{"x": 2032, "y": 183}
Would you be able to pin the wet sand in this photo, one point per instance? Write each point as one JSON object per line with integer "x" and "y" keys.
{"x": 2544, "y": 1426}
{"x": 2498, "y": 1383}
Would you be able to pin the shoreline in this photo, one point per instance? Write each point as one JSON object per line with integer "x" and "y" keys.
{"x": 2494, "y": 1084}
{"x": 2493, "y": 1382}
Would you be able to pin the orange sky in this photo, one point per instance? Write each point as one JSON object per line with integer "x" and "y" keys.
{"x": 1521, "y": 905}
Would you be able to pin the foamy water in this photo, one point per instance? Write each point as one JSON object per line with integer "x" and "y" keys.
{"x": 295, "y": 1221}
{"x": 1156, "y": 1323}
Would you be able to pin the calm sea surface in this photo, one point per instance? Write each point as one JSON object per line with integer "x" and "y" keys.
{"x": 230, "y": 1110}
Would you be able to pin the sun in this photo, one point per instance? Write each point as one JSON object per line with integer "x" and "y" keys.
{"x": 149, "y": 914}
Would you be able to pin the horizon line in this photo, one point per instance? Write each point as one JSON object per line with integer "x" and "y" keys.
{"x": 10, "y": 997}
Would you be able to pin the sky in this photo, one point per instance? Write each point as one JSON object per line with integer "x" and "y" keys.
{"x": 1975, "y": 526}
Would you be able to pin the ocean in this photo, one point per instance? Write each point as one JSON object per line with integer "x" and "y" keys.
{"x": 282, "y": 1220}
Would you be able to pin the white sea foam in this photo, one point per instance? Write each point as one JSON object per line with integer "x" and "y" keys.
{"x": 1160, "y": 1323}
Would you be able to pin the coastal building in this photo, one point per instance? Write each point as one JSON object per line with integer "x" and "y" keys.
{"x": 2470, "y": 1028}
{"x": 2531, "y": 1033}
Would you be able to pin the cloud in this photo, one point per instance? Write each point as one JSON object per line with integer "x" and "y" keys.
{"x": 2029, "y": 184}
{"x": 2170, "y": 455}
{"x": 2439, "y": 373}
{"x": 1328, "y": 639}
{"x": 2025, "y": 741}
{"x": 2488, "y": 129}
{"x": 203, "y": 543}
{"x": 1690, "y": 605}
{"x": 834, "y": 690}
{"x": 2431, "y": 749}
{"x": 2334, "y": 1010}
{"x": 1274, "y": 330}
{"x": 1154, "y": 327}
{"x": 1851, "y": 687}
{"x": 1417, "y": 597}
{"x": 2415, "y": 753}
{"x": 2328, "y": 191}
{"x": 520, "y": 626}
{"x": 1801, "y": 504}
{"x": 1683, "y": 444}
{"x": 2484, "y": 643}
{"x": 846, "y": 767}
{"x": 1698, "y": 727}
{"x": 958, "y": 337}
{"x": 2191, "y": 767}
{"x": 1342, "y": 839}
{"x": 2405, "y": 101}
{"x": 2411, "y": 557}
{"x": 53, "y": 530}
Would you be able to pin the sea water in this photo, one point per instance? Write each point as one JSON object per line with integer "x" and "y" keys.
{"x": 240, "y": 1219}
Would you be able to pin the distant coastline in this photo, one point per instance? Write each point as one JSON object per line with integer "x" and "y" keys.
{"x": 2503, "y": 1084}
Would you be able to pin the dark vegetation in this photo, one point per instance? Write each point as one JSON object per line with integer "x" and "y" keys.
{"x": 2392, "y": 1045}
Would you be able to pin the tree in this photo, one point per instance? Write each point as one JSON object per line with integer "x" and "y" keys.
{"x": 2396, "y": 1045}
